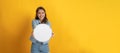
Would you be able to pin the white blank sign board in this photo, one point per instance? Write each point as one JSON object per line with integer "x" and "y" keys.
{"x": 42, "y": 32}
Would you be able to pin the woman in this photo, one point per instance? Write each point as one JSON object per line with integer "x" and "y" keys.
{"x": 39, "y": 47}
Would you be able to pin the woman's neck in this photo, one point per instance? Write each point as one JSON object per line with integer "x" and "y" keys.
{"x": 40, "y": 20}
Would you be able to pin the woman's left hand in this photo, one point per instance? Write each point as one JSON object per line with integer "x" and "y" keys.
{"x": 52, "y": 34}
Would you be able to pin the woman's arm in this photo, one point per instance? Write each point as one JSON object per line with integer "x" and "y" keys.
{"x": 50, "y": 26}
{"x": 33, "y": 25}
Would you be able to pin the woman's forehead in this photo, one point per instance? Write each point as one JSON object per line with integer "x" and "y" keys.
{"x": 41, "y": 10}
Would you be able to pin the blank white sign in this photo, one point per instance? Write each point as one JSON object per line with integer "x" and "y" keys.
{"x": 42, "y": 32}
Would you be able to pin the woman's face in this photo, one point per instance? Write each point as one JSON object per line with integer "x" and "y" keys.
{"x": 41, "y": 14}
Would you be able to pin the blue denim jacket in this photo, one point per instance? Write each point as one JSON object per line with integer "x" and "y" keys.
{"x": 34, "y": 24}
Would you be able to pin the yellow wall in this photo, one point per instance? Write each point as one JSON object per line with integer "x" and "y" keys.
{"x": 80, "y": 26}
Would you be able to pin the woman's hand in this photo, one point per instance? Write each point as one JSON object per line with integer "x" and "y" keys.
{"x": 52, "y": 34}
{"x": 32, "y": 33}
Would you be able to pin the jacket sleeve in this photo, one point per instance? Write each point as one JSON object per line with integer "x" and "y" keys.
{"x": 33, "y": 24}
{"x": 48, "y": 23}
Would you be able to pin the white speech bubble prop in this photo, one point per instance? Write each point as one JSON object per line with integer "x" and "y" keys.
{"x": 42, "y": 32}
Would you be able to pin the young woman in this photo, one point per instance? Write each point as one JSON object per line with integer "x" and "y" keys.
{"x": 39, "y": 47}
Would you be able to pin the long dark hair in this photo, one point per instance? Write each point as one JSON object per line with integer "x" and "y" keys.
{"x": 45, "y": 18}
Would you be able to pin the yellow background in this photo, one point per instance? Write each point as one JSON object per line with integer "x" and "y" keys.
{"x": 80, "y": 26}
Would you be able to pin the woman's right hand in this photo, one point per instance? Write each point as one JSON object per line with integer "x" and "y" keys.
{"x": 32, "y": 33}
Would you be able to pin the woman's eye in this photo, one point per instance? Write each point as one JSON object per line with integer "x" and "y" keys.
{"x": 42, "y": 12}
{"x": 38, "y": 12}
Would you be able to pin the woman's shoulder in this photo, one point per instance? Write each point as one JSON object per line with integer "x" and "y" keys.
{"x": 48, "y": 23}
{"x": 34, "y": 20}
